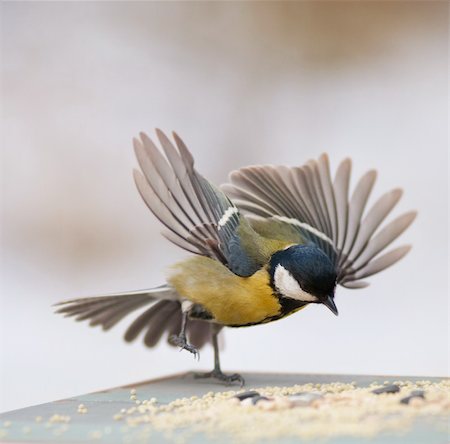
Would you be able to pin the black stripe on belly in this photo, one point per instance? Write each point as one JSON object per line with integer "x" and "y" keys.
{"x": 200, "y": 313}
{"x": 287, "y": 307}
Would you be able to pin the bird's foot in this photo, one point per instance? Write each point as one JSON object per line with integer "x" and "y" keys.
{"x": 181, "y": 342}
{"x": 217, "y": 374}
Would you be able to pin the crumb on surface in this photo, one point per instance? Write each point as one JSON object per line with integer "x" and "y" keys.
{"x": 302, "y": 411}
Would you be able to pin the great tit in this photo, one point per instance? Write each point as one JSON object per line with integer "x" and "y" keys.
{"x": 272, "y": 241}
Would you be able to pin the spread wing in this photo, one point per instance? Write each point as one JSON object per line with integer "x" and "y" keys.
{"x": 197, "y": 216}
{"x": 303, "y": 204}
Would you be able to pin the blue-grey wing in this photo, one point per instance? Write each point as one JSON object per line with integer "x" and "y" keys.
{"x": 318, "y": 209}
{"x": 197, "y": 216}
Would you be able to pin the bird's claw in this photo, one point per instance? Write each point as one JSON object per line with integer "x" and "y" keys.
{"x": 219, "y": 375}
{"x": 181, "y": 342}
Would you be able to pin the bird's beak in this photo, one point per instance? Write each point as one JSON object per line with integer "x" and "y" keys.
{"x": 331, "y": 305}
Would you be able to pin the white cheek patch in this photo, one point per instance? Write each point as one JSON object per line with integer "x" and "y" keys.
{"x": 289, "y": 287}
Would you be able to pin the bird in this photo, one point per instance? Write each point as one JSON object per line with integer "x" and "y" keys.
{"x": 263, "y": 246}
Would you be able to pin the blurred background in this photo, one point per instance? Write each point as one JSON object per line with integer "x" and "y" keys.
{"x": 242, "y": 83}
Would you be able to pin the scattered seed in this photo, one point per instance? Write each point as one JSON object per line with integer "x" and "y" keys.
{"x": 82, "y": 409}
{"x": 393, "y": 388}
{"x": 245, "y": 395}
{"x": 245, "y": 402}
{"x": 304, "y": 399}
{"x": 340, "y": 409}
{"x": 58, "y": 419}
{"x": 256, "y": 399}
{"x": 420, "y": 393}
{"x": 415, "y": 394}
{"x": 267, "y": 405}
{"x": 282, "y": 403}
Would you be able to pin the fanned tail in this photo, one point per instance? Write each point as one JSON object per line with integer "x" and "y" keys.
{"x": 163, "y": 314}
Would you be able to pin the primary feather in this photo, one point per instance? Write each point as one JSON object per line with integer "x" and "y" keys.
{"x": 320, "y": 210}
{"x": 199, "y": 217}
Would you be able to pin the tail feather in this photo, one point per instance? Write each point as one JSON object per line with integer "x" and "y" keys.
{"x": 88, "y": 308}
{"x": 116, "y": 313}
{"x": 159, "y": 323}
{"x": 143, "y": 320}
{"x": 96, "y": 309}
{"x": 78, "y": 306}
{"x": 174, "y": 326}
{"x": 199, "y": 333}
{"x": 163, "y": 315}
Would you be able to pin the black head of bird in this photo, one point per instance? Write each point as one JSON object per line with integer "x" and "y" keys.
{"x": 304, "y": 273}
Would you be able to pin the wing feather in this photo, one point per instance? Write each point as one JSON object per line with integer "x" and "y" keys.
{"x": 170, "y": 185}
{"x": 341, "y": 187}
{"x": 330, "y": 200}
{"x": 382, "y": 262}
{"x": 355, "y": 284}
{"x": 377, "y": 214}
{"x": 357, "y": 205}
{"x": 242, "y": 179}
{"x": 384, "y": 238}
{"x": 319, "y": 197}
{"x": 161, "y": 212}
{"x": 199, "y": 217}
{"x": 320, "y": 210}
{"x": 307, "y": 198}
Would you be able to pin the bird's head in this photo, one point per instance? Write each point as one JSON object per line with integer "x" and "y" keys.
{"x": 304, "y": 273}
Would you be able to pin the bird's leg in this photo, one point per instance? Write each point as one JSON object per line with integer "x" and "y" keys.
{"x": 217, "y": 373}
{"x": 181, "y": 340}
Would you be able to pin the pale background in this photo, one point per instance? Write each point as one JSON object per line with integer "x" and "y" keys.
{"x": 243, "y": 84}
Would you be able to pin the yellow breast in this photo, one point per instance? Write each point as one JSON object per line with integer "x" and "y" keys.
{"x": 231, "y": 299}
